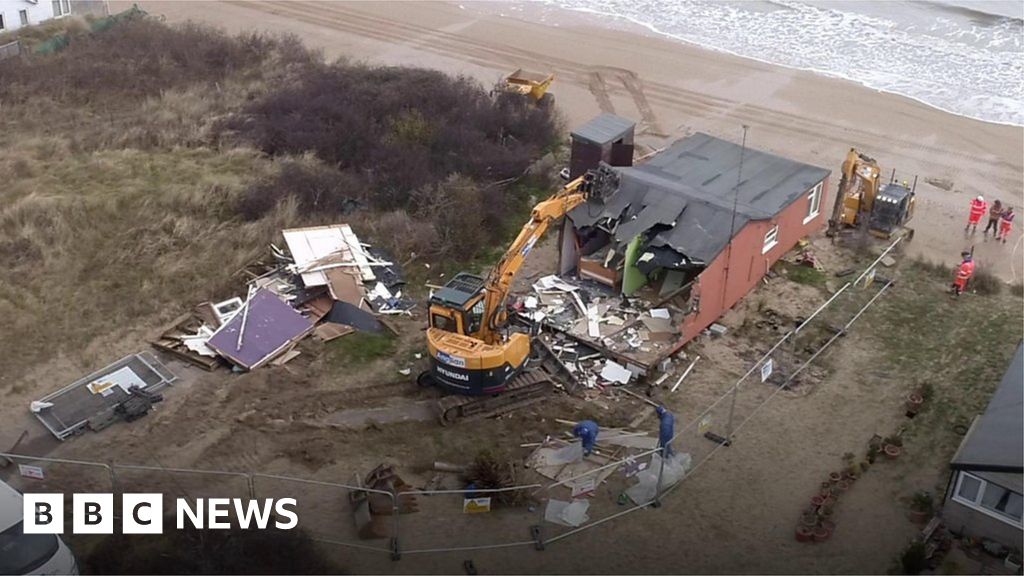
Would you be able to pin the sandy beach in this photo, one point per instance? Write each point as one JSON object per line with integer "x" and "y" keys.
{"x": 673, "y": 89}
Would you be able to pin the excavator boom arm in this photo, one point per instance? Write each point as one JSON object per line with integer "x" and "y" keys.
{"x": 499, "y": 282}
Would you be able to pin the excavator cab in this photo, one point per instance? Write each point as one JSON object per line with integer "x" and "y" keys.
{"x": 892, "y": 209}
{"x": 458, "y": 307}
{"x": 460, "y": 361}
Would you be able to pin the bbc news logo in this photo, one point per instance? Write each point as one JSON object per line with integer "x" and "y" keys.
{"x": 143, "y": 513}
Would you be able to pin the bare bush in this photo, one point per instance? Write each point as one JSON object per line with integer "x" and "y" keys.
{"x": 400, "y": 234}
{"x": 399, "y": 128}
{"x": 315, "y": 188}
{"x": 135, "y": 59}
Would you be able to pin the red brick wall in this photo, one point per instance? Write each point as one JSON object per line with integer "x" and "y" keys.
{"x": 747, "y": 263}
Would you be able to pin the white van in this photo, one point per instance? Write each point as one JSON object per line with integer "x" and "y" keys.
{"x": 28, "y": 553}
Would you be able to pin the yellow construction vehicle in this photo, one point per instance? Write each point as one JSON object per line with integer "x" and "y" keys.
{"x": 526, "y": 83}
{"x": 862, "y": 201}
{"x": 474, "y": 353}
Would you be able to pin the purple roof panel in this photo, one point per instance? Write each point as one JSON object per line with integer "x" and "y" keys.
{"x": 270, "y": 326}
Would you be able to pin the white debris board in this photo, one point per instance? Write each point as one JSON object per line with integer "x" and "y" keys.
{"x": 327, "y": 245}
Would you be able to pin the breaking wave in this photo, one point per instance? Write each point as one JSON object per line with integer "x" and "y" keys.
{"x": 963, "y": 58}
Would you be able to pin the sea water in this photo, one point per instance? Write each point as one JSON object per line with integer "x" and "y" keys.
{"x": 962, "y": 56}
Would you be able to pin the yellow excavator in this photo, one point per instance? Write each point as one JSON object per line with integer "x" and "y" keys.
{"x": 862, "y": 201}
{"x": 474, "y": 354}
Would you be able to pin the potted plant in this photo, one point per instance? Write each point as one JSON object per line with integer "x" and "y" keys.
{"x": 914, "y": 402}
{"x": 834, "y": 477}
{"x": 809, "y": 519}
{"x": 842, "y": 486}
{"x": 893, "y": 446}
{"x": 921, "y": 507}
{"x": 804, "y": 534}
{"x": 821, "y": 534}
{"x": 852, "y": 471}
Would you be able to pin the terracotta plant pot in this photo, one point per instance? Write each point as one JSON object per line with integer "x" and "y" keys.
{"x": 829, "y": 502}
{"x": 919, "y": 516}
{"x": 825, "y": 492}
{"x": 892, "y": 452}
{"x": 809, "y": 521}
{"x": 817, "y": 500}
{"x": 804, "y": 534}
{"x": 835, "y": 477}
{"x": 821, "y": 534}
{"x": 914, "y": 402}
{"x": 842, "y": 486}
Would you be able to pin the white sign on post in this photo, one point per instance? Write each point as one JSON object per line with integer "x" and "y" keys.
{"x": 766, "y": 370}
{"x": 30, "y": 471}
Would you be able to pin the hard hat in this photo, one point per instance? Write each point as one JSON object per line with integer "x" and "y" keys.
{"x": 965, "y": 254}
{"x": 980, "y": 199}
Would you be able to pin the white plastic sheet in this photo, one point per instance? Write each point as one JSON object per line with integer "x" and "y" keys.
{"x": 567, "y": 513}
{"x": 647, "y": 480}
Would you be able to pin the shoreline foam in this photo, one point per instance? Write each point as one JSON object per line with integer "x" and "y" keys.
{"x": 652, "y": 28}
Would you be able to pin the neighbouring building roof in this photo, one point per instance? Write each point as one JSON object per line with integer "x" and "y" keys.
{"x": 271, "y": 326}
{"x": 685, "y": 195}
{"x": 604, "y": 129}
{"x": 995, "y": 441}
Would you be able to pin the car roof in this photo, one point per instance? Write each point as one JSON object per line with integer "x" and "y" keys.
{"x": 10, "y": 506}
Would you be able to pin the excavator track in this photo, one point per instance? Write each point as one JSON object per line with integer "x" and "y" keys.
{"x": 524, "y": 389}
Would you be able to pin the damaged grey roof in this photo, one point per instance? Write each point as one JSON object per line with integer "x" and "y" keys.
{"x": 996, "y": 439}
{"x": 603, "y": 129}
{"x": 685, "y": 194}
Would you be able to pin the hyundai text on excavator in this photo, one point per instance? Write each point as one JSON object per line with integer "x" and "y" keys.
{"x": 861, "y": 201}
{"x": 474, "y": 353}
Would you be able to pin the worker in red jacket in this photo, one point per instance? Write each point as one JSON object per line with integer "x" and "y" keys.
{"x": 978, "y": 209}
{"x": 964, "y": 272}
{"x": 1005, "y": 224}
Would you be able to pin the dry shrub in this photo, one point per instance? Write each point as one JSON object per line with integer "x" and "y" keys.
{"x": 136, "y": 59}
{"x": 985, "y": 282}
{"x": 316, "y": 189}
{"x": 399, "y": 129}
{"x": 400, "y": 234}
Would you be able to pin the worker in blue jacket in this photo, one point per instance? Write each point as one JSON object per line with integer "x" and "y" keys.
{"x": 586, "y": 431}
{"x": 666, "y": 430}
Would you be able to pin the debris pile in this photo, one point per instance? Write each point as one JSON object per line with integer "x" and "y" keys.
{"x": 326, "y": 283}
{"x": 602, "y": 338}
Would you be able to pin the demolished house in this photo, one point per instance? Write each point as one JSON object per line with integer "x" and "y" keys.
{"x": 704, "y": 220}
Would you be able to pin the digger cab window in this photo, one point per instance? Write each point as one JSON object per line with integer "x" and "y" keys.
{"x": 443, "y": 323}
{"x": 475, "y": 317}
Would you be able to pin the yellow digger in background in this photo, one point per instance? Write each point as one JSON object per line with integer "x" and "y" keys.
{"x": 474, "y": 353}
{"x": 529, "y": 84}
{"x": 863, "y": 202}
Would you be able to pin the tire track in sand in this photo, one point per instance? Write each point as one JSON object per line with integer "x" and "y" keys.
{"x": 332, "y": 16}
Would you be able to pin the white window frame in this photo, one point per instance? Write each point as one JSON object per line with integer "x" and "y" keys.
{"x": 814, "y": 203}
{"x": 976, "y": 504}
{"x": 771, "y": 239}
{"x": 63, "y": 8}
{"x": 24, "y": 21}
